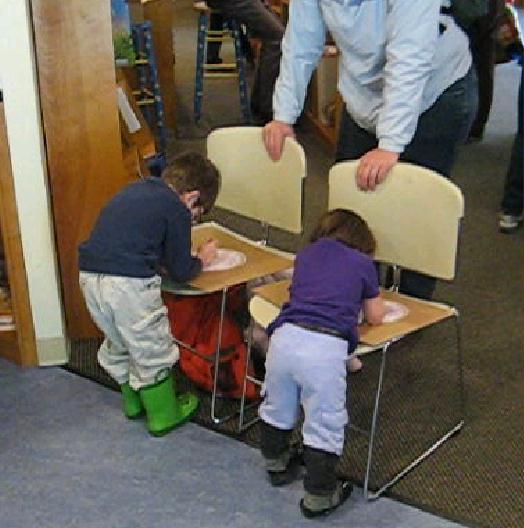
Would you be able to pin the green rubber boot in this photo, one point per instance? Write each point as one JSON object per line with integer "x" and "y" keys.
{"x": 164, "y": 409}
{"x": 131, "y": 402}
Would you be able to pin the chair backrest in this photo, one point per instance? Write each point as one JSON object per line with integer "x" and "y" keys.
{"x": 415, "y": 215}
{"x": 252, "y": 184}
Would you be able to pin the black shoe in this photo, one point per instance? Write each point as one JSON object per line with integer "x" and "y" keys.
{"x": 325, "y": 504}
{"x": 291, "y": 473}
{"x": 508, "y": 222}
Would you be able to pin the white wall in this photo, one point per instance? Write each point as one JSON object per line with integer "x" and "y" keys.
{"x": 17, "y": 71}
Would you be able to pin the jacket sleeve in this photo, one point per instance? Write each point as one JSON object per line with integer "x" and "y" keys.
{"x": 412, "y": 35}
{"x": 182, "y": 266}
{"x": 302, "y": 47}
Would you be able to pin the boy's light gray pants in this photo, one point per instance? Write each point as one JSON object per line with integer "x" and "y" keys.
{"x": 309, "y": 369}
{"x": 138, "y": 346}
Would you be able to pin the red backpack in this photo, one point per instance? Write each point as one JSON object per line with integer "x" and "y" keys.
{"x": 195, "y": 321}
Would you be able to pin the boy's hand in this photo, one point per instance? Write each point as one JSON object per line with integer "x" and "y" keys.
{"x": 207, "y": 251}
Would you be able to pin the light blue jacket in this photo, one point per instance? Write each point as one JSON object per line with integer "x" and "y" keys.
{"x": 393, "y": 63}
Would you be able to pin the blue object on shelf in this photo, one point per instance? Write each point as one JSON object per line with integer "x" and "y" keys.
{"x": 150, "y": 97}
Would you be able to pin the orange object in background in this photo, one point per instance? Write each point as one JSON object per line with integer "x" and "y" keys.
{"x": 195, "y": 321}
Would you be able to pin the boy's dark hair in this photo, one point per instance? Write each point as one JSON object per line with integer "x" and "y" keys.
{"x": 193, "y": 172}
{"x": 346, "y": 227}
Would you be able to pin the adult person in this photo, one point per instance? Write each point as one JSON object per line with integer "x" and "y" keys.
{"x": 510, "y": 216}
{"x": 483, "y": 49}
{"x": 405, "y": 77}
{"x": 262, "y": 23}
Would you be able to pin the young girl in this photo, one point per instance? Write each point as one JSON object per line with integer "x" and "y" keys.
{"x": 334, "y": 278}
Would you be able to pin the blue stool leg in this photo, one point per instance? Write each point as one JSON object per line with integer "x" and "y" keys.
{"x": 136, "y": 33}
{"x": 153, "y": 70}
{"x": 203, "y": 21}
{"x": 241, "y": 67}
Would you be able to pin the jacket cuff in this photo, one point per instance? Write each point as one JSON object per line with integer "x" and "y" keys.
{"x": 392, "y": 146}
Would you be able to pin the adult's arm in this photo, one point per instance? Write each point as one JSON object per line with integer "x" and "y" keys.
{"x": 411, "y": 40}
{"x": 412, "y": 35}
{"x": 302, "y": 47}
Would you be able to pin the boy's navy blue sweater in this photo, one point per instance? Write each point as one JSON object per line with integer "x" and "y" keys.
{"x": 143, "y": 226}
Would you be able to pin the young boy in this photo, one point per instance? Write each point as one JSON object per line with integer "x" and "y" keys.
{"x": 145, "y": 226}
{"x": 334, "y": 277}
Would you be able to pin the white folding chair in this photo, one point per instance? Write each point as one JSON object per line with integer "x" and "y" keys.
{"x": 252, "y": 184}
{"x": 256, "y": 187}
{"x": 415, "y": 216}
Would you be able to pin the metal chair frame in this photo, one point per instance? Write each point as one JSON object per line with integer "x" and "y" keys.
{"x": 371, "y": 434}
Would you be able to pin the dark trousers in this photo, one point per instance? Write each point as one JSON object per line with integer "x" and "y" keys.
{"x": 483, "y": 51}
{"x": 512, "y": 199}
{"x": 484, "y": 60}
{"x": 216, "y": 23}
{"x": 440, "y": 130}
{"x": 265, "y": 25}
{"x": 320, "y": 478}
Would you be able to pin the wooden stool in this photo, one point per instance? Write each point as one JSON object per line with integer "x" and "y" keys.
{"x": 229, "y": 33}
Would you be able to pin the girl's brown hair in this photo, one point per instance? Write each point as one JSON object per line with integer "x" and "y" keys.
{"x": 346, "y": 227}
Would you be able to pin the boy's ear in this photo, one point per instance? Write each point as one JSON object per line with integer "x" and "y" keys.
{"x": 189, "y": 198}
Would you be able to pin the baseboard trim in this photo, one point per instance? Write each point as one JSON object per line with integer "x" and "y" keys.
{"x": 52, "y": 351}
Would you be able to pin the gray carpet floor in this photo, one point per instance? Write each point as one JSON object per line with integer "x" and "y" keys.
{"x": 70, "y": 459}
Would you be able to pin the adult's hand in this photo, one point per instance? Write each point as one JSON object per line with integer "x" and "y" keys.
{"x": 373, "y": 168}
{"x": 274, "y": 135}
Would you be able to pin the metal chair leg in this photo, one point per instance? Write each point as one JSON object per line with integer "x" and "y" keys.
{"x": 460, "y": 366}
{"x": 244, "y": 385}
{"x": 215, "y": 418}
{"x": 374, "y": 421}
{"x": 369, "y": 495}
{"x": 243, "y": 407}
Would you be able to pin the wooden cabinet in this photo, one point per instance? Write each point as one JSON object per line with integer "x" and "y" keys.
{"x": 76, "y": 72}
{"x": 17, "y": 344}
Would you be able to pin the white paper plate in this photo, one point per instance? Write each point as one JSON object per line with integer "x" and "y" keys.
{"x": 226, "y": 259}
{"x": 394, "y": 312}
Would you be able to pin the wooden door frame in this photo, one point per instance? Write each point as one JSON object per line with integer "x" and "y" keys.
{"x": 25, "y": 342}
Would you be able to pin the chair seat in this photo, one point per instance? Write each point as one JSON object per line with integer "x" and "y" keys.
{"x": 421, "y": 314}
